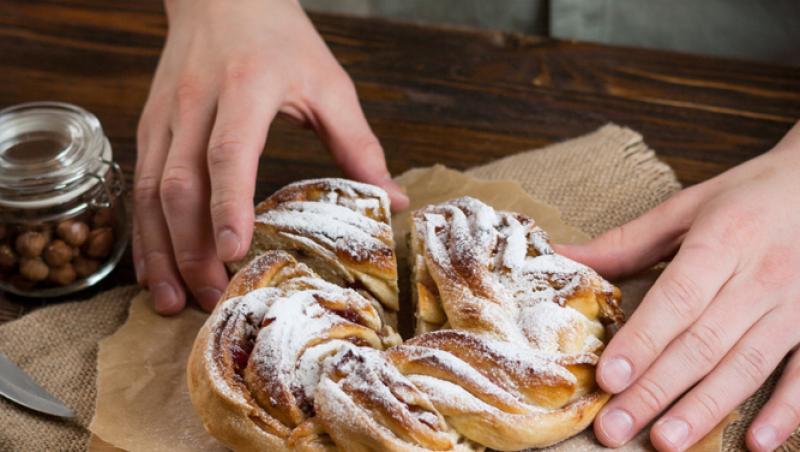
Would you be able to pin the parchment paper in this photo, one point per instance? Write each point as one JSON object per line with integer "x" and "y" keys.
{"x": 142, "y": 398}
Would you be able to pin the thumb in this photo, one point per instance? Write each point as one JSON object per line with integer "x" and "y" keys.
{"x": 344, "y": 129}
{"x": 639, "y": 244}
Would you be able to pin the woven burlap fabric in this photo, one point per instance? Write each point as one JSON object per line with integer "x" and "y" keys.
{"x": 598, "y": 181}
{"x": 58, "y": 345}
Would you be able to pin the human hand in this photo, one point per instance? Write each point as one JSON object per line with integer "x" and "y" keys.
{"x": 226, "y": 70}
{"x": 720, "y": 318}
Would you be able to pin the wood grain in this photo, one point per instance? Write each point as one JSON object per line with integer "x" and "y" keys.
{"x": 432, "y": 95}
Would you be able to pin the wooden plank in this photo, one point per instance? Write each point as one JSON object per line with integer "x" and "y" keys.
{"x": 433, "y": 95}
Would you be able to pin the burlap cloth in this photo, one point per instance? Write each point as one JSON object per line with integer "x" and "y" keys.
{"x": 599, "y": 180}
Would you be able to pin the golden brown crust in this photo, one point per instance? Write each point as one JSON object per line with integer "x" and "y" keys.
{"x": 340, "y": 228}
{"x": 280, "y": 325}
{"x": 513, "y": 324}
{"x": 289, "y": 361}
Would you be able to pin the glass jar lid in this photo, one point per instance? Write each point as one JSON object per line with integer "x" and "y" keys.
{"x": 50, "y": 153}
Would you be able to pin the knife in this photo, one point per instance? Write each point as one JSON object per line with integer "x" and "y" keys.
{"x": 17, "y": 386}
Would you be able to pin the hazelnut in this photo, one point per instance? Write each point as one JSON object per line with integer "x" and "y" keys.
{"x": 100, "y": 242}
{"x": 85, "y": 266}
{"x": 3, "y": 231}
{"x": 57, "y": 253}
{"x": 8, "y": 259}
{"x": 46, "y": 231}
{"x": 103, "y": 218}
{"x": 73, "y": 232}
{"x": 30, "y": 244}
{"x": 33, "y": 268}
{"x": 62, "y": 275}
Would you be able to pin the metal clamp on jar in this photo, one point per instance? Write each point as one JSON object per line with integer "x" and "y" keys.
{"x": 63, "y": 217}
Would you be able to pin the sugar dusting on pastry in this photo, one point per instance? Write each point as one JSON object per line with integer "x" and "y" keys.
{"x": 505, "y": 358}
{"x": 331, "y": 226}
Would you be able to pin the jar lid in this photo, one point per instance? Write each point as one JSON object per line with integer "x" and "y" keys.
{"x": 50, "y": 153}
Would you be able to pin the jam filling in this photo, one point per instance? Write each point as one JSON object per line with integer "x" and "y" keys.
{"x": 240, "y": 353}
{"x": 349, "y": 314}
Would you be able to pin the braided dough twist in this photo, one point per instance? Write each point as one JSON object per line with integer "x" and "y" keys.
{"x": 508, "y": 335}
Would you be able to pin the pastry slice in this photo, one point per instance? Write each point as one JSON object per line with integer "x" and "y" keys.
{"x": 339, "y": 228}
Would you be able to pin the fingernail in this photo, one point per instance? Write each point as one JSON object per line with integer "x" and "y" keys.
{"x": 166, "y": 298}
{"x": 228, "y": 244}
{"x": 617, "y": 425}
{"x": 616, "y": 374}
{"x": 138, "y": 267}
{"x": 765, "y": 437}
{"x": 208, "y": 297}
{"x": 674, "y": 431}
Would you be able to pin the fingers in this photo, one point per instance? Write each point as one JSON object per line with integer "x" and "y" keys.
{"x": 184, "y": 191}
{"x": 138, "y": 257}
{"x": 641, "y": 243}
{"x": 781, "y": 415}
{"x": 685, "y": 361}
{"x": 675, "y": 301}
{"x": 739, "y": 374}
{"x": 156, "y": 248}
{"x": 244, "y": 113}
{"x": 343, "y": 127}
{"x": 142, "y": 137}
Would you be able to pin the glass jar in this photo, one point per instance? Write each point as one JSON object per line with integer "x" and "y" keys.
{"x": 63, "y": 214}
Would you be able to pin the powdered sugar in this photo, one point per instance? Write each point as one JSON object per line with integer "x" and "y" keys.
{"x": 450, "y": 397}
{"x": 367, "y": 204}
{"x": 327, "y": 231}
{"x": 333, "y": 217}
{"x": 355, "y": 195}
{"x": 282, "y": 322}
{"x": 364, "y": 373}
{"x": 475, "y": 247}
{"x": 516, "y": 246}
{"x": 554, "y": 264}
{"x": 552, "y": 328}
{"x": 457, "y": 371}
{"x": 310, "y": 366}
{"x": 294, "y": 321}
{"x": 504, "y": 298}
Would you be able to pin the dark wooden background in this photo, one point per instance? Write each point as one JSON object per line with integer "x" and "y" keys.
{"x": 432, "y": 95}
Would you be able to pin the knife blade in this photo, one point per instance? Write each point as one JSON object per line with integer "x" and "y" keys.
{"x": 17, "y": 386}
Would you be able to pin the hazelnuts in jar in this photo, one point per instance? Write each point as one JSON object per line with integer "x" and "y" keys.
{"x": 58, "y": 253}
{"x": 30, "y": 243}
{"x": 100, "y": 242}
{"x": 33, "y": 269}
{"x": 73, "y": 232}
{"x": 8, "y": 259}
{"x": 50, "y": 206}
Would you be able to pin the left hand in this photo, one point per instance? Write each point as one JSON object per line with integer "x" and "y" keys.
{"x": 228, "y": 67}
{"x": 720, "y": 318}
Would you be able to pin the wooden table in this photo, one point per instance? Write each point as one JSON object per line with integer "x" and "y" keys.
{"x": 432, "y": 95}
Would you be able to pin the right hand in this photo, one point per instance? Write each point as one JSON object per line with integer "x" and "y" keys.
{"x": 226, "y": 70}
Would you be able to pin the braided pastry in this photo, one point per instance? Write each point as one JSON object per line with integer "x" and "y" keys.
{"x": 339, "y": 228}
{"x": 512, "y": 331}
{"x": 291, "y": 359}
